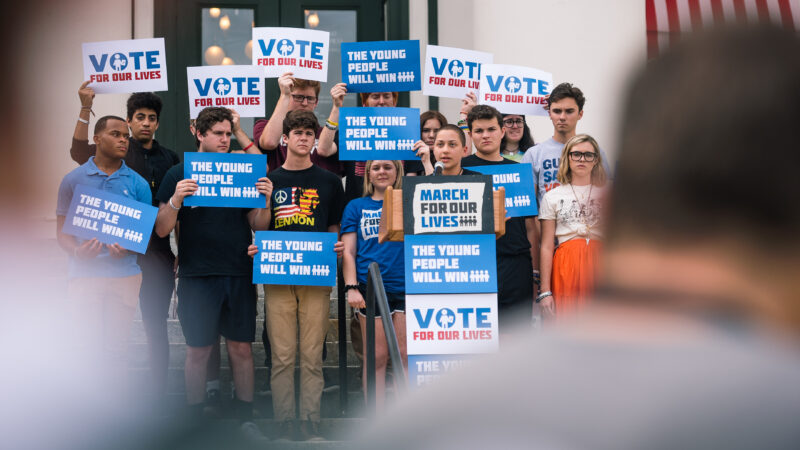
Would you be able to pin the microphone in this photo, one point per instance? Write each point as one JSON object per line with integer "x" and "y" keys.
{"x": 438, "y": 168}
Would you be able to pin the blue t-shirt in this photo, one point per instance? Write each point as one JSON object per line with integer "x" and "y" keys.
{"x": 123, "y": 182}
{"x": 363, "y": 216}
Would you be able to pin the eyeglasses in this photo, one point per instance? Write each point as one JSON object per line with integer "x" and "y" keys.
{"x": 586, "y": 156}
{"x": 513, "y": 123}
{"x": 300, "y": 98}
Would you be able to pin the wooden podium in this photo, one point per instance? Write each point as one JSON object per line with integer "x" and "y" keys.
{"x": 391, "y": 226}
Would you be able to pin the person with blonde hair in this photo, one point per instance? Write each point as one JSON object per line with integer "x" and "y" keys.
{"x": 360, "y": 224}
{"x": 571, "y": 215}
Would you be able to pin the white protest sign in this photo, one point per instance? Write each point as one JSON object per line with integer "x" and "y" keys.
{"x": 297, "y": 50}
{"x": 137, "y": 65}
{"x": 452, "y": 72}
{"x": 236, "y": 87}
{"x": 451, "y": 323}
{"x": 514, "y": 89}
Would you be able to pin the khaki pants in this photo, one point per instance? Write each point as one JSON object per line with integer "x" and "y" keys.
{"x": 286, "y": 308}
{"x": 102, "y": 315}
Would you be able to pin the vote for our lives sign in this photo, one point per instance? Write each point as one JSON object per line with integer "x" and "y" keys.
{"x": 303, "y": 52}
{"x": 111, "y": 218}
{"x": 381, "y": 66}
{"x": 295, "y": 258}
{"x": 450, "y": 324}
{"x": 517, "y": 179}
{"x": 237, "y": 87}
{"x": 378, "y": 133}
{"x": 460, "y": 263}
{"x": 453, "y": 72}
{"x": 514, "y": 89}
{"x": 225, "y": 179}
{"x": 137, "y": 65}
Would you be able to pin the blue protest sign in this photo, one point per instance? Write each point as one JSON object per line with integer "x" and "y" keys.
{"x": 378, "y": 133}
{"x": 457, "y": 264}
{"x": 111, "y": 218}
{"x": 518, "y": 181}
{"x": 225, "y": 179}
{"x": 381, "y": 66}
{"x": 295, "y": 258}
{"x": 424, "y": 369}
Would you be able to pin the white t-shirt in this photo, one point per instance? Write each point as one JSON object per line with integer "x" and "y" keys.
{"x": 573, "y": 221}
{"x": 544, "y": 159}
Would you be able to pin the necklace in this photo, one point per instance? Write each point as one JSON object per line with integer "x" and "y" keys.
{"x": 583, "y": 213}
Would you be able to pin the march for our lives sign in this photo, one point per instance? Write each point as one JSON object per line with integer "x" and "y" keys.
{"x": 517, "y": 179}
{"x": 225, "y": 179}
{"x": 515, "y": 89}
{"x": 378, "y": 133}
{"x": 295, "y": 258}
{"x": 137, "y": 65}
{"x": 453, "y": 72}
{"x": 460, "y": 263}
{"x": 381, "y": 66}
{"x": 111, "y": 218}
{"x": 300, "y": 51}
{"x": 237, "y": 87}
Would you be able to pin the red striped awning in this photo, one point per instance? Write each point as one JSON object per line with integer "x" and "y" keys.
{"x": 668, "y": 19}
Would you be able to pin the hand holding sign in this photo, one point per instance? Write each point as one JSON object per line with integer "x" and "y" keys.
{"x": 183, "y": 189}
{"x": 264, "y": 187}
{"x": 338, "y": 91}
{"x": 286, "y": 83}
{"x": 86, "y": 94}
{"x": 116, "y": 251}
{"x": 89, "y": 249}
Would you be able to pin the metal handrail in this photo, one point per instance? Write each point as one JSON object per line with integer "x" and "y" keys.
{"x": 376, "y": 294}
{"x": 342, "y": 326}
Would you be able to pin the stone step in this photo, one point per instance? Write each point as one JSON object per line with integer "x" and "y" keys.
{"x": 138, "y": 357}
{"x": 140, "y": 378}
{"x": 175, "y": 333}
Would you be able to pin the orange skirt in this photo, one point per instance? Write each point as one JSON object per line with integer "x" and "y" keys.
{"x": 574, "y": 271}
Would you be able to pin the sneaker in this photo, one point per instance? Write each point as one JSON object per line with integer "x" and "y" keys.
{"x": 213, "y": 405}
{"x": 251, "y": 433}
{"x": 309, "y": 431}
{"x": 285, "y": 431}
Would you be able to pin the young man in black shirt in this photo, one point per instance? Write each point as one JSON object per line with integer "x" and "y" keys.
{"x": 215, "y": 292}
{"x": 150, "y": 160}
{"x": 518, "y": 249}
{"x": 305, "y": 198}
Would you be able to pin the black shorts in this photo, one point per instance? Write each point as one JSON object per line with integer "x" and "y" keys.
{"x": 217, "y": 305}
{"x": 397, "y": 301}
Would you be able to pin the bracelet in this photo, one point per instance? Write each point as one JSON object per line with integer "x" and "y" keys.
{"x": 335, "y": 124}
{"x": 244, "y": 150}
{"x": 347, "y": 287}
{"x": 543, "y": 295}
{"x": 87, "y": 108}
{"x": 172, "y": 206}
{"x": 83, "y": 121}
{"x": 329, "y": 125}
{"x": 464, "y": 127}
{"x": 461, "y": 122}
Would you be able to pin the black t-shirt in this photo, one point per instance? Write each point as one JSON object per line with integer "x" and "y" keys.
{"x": 211, "y": 241}
{"x": 515, "y": 241}
{"x": 305, "y": 200}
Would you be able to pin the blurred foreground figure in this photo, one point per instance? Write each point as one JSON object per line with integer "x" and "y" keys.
{"x": 693, "y": 342}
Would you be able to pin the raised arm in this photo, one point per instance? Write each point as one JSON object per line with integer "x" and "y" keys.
{"x": 80, "y": 151}
{"x": 327, "y": 146}
{"x": 271, "y": 137}
{"x": 467, "y": 103}
{"x": 241, "y": 137}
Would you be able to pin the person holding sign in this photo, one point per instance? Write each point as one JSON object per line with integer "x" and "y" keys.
{"x": 296, "y": 95}
{"x": 572, "y": 214}
{"x": 517, "y": 250}
{"x": 151, "y": 161}
{"x": 305, "y": 198}
{"x": 104, "y": 279}
{"x": 215, "y": 290}
{"x": 360, "y": 224}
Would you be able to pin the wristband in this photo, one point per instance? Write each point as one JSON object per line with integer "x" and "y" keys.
{"x": 331, "y": 126}
{"x": 543, "y": 295}
{"x": 244, "y": 150}
{"x": 348, "y": 287}
{"x": 83, "y": 121}
{"x": 461, "y": 122}
{"x": 335, "y": 124}
{"x": 172, "y": 206}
